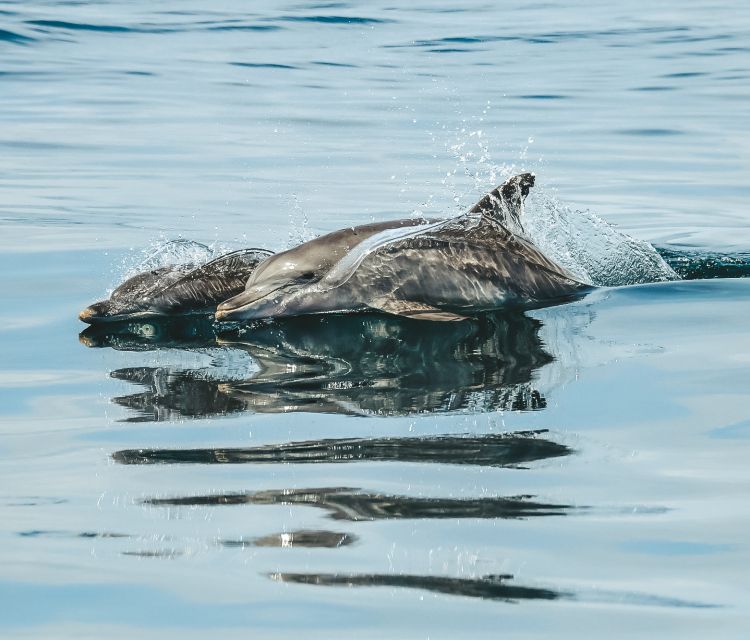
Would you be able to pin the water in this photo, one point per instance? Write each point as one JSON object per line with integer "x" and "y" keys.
{"x": 580, "y": 470}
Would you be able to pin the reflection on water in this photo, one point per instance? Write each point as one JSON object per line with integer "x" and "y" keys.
{"x": 190, "y": 332}
{"x": 344, "y": 503}
{"x": 159, "y": 553}
{"x": 355, "y": 365}
{"x": 309, "y": 538}
{"x": 172, "y": 395}
{"x": 491, "y": 450}
{"x": 490, "y": 587}
{"x": 364, "y": 365}
{"x": 37, "y": 533}
{"x": 313, "y": 539}
{"x": 382, "y": 365}
{"x": 494, "y": 587}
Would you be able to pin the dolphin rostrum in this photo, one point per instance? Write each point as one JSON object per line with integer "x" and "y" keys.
{"x": 177, "y": 289}
{"x": 429, "y": 269}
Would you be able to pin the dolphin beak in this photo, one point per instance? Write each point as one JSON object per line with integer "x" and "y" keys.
{"x": 230, "y": 309}
{"x": 89, "y": 314}
{"x": 244, "y": 306}
{"x": 99, "y": 312}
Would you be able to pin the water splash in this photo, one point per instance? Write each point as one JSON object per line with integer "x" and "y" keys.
{"x": 162, "y": 253}
{"x": 299, "y": 224}
{"x": 591, "y": 248}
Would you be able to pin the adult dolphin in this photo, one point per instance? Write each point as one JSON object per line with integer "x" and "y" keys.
{"x": 434, "y": 270}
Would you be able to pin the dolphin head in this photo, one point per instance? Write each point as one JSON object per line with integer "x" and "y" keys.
{"x": 280, "y": 281}
{"x": 294, "y": 282}
{"x": 126, "y": 301}
{"x": 134, "y": 298}
{"x": 94, "y": 312}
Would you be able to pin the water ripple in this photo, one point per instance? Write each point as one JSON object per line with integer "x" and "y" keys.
{"x": 338, "y": 20}
{"x": 82, "y": 26}
{"x": 12, "y": 36}
{"x": 262, "y": 65}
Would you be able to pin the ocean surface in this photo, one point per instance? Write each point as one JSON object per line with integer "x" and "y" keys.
{"x": 576, "y": 471}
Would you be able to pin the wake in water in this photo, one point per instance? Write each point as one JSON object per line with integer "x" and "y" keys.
{"x": 598, "y": 253}
{"x": 693, "y": 264}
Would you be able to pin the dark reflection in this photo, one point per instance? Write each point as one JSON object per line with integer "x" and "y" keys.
{"x": 347, "y": 364}
{"x": 30, "y": 501}
{"x": 172, "y": 395}
{"x": 343, "y": 503}
{"x": 314, "y": 539}
{"x": 492, "y": 450}
{"x": 492, "y": 587}
{"x": 383, "y": 365}
{"x": 183, "y": 332}
{"x": 54, "y": 533}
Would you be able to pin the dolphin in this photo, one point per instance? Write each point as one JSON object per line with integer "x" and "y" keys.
{"x": 418, "y": 268}
{"x": 177, "y": 289}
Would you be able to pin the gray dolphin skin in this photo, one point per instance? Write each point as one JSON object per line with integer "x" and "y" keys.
{"x": 419, "y": 268}
{"x": 175, "y": 290}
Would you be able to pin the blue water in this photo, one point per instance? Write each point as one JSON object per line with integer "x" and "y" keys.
{"x": 578, "y": 471}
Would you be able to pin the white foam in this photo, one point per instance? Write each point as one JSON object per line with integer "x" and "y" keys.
{"x": 163, "y": 253}
{"x": 589, "y": 247}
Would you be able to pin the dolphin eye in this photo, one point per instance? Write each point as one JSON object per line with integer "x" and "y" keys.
{"x": 307, "y": 275}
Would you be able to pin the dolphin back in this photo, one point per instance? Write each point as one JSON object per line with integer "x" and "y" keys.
{"x": 211, "y": 283}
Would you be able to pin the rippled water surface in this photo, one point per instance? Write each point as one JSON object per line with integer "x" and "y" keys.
{"x": 578, "y": 471}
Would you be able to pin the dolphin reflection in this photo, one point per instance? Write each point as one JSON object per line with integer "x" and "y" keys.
{"x": 172, "y": 395}
{"x": 191, "y": 332}
{"x": 490, "y": 450}
{"x": 381, "y": 365}
{"x": 492, "y": 587}
{"x": 307, "y": 538}
{"x": 343, "y": 503}
{"x": 357, "y": 365}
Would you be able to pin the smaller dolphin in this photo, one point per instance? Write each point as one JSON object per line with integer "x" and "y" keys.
{"x": 427, "y": 269}
{"x": 177, "y": 289}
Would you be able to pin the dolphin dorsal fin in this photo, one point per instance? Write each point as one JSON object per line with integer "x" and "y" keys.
{"x": 504, "y": 204}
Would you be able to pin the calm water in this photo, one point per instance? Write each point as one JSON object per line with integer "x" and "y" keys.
{"x": 579, "y": 471}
